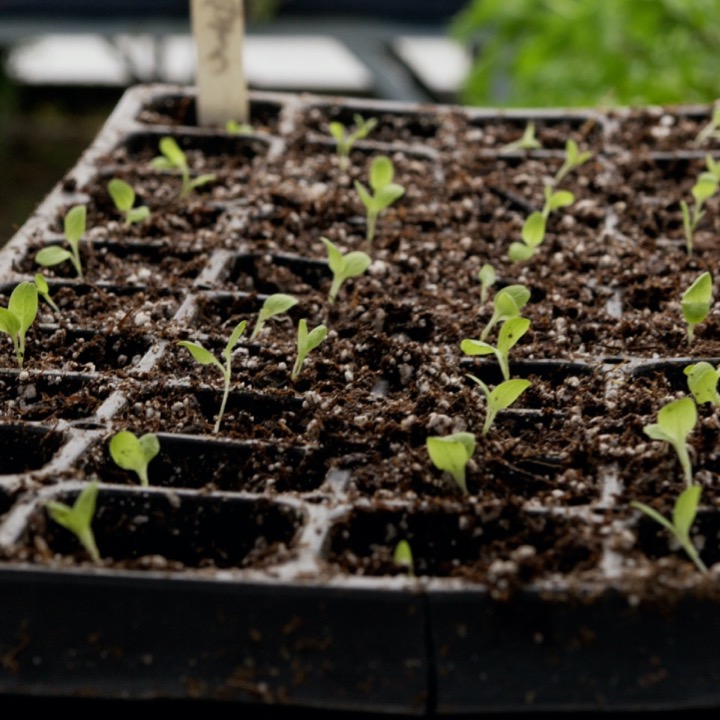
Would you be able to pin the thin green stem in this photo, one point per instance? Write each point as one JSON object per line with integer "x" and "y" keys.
{"x": 226, "y": 393}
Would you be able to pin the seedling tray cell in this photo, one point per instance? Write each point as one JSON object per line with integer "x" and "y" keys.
{"x": 263, "y": 561}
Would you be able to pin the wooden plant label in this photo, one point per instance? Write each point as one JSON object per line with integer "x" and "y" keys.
{"x": 218, "y": 29}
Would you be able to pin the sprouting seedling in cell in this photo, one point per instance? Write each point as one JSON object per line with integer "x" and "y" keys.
{"x": 344, "y": 267}
{"x": 306, "y": 343}
{"x": 403, "y": 557}
{"x": 528, "y": 140}
{"x": 18, "y": 316}
{"x": 345, "y": 138}
{"x": 74, "y": 228}
{"x": 205, "y": 357}
{"x": 487, "y": 277}
{"x": 130, "y": 452}
{"x": 382, "y": 194}
{"x": 573, "y": 159}
{"x": 711, "y": 130}
{"x": 696, "y": 301}
{"x": 500, "y": 397}
{"x": 675, "y": 421}
{"x": 507, "y": 303}
{"x": 275, "y": 304}
{"x": 704, "y": 188}
{"x": 451, "y": 454}
{"x": 43, "y": 290}
{"x": 78, "y": 517}
{"x": 123, "y": 197}
{"x": 683, "y": 517}
{"x": 510, "y": 332}
{"x": 172, "y": 157}
{"x": 535, "y": 225}
{"x": 233, "y": 127}
{"x": 702, "y": 380}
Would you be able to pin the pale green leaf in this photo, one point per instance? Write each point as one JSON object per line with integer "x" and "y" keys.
{"x": 122, "y": 194}
{"x": 533, "y": 230}
{"x": 199, "y": 353}
{"x": 23, "y": 305}
{"x": 52, "y": 255}
{"x": 75, "y": 220}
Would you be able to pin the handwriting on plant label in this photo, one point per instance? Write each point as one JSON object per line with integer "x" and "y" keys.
{"x": 224, "y": 17}
{"x": 218, "y": 27}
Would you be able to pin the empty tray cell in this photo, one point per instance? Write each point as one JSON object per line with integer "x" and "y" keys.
{"x": 59, "y": 349}
{"x": 27, "y": 447}
{"x": 50, "y": 396}
{"x": 469, "y": 543}
{"x": 268, "y": 274}
{"x": 392, "y": 127}
{"x": 150, "y": 264}
{"x": 176, "y": 109}
{"x": 657, "y": 129}
{"x": 194, "y": 463}
{"x": 222, "y": 311}
{"x": 133, "y": 528}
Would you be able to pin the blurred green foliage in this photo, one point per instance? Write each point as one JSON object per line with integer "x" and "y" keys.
{"x": 541, "y": 53}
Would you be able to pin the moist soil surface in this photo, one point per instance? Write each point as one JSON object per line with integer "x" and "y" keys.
{"x": 549, "y": 487}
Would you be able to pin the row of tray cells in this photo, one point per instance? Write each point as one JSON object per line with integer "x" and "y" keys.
{"x": 653, "y": 128}
{"x": 486, "y": 544}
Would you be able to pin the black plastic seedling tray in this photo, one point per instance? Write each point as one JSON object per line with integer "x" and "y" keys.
{"x": 257, "y": 567}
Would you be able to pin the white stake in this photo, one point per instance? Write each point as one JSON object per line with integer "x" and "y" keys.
{"x": 218, "y": 29}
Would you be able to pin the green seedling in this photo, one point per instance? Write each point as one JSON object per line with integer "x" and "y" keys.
{"x": 487, "y": 277}
{"x": 573, "y": 159}
{"x": 78, "y": 518}
{"x": 500, "y": 397}
{"x": 696, "y": 301}
{"x": 451, "y": 454}
{"x": 510, "y": 332}
{"x": 507, "y": 304}
{"x": 344, "y": 267}
{"x": 132, "y": 453}
{"x": 702, "y": 380}
{"x": 683, "y": 517}
{"x": 44, "y": 291}
{"x": 18, "y": 316}
{"x": 711, "y": 130}
{"x": 233, "y": 127}
{"x": 205, "y": 357}
{"x": 675, "y": 421}
{"x": 403, "y": 557}
{"x": 306, "y": 343}
{"x": 704, "y": 188}
{"x": 528, "y": 141}
{"x": 123, "y": 196}
{"x": 74, "y": 228}
{"x": 173, "y": 158}
{"x": 384, "y": 192}
{"x": 345, "y": 138}
{"x": 275, "y": 304}
{"x": 534, "y": 227}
